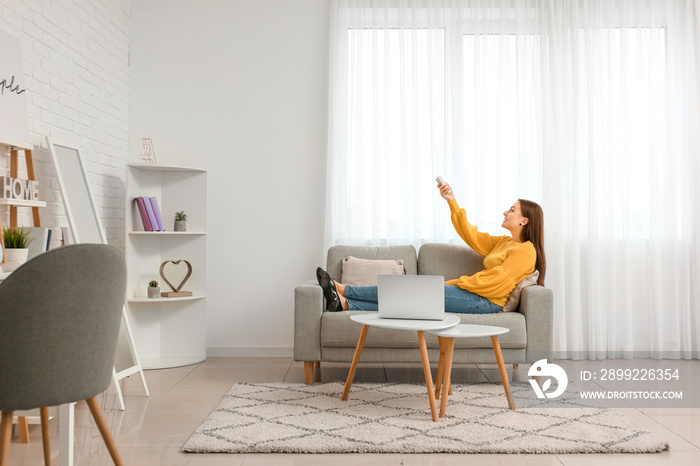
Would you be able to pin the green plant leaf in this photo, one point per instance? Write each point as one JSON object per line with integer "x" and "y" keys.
{"x": 16, "y": 238}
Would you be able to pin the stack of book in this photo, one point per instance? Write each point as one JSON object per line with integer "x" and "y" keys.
{"x": 54, "y": 238}
{"x": 43, "y": 239}
{"x": 150, "y": 213}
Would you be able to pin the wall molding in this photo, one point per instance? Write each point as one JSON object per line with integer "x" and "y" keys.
{"x": 241, "y": 351}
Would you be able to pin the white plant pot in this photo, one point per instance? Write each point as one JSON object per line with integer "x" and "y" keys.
{"x": 15, "y": 258}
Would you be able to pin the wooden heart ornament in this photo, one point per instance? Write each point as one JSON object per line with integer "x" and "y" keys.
{"x": 176, "y": 291}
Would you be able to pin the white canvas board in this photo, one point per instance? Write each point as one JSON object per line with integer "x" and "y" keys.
{"x": 40, "y": 236}
{"x": 14, "y": 126}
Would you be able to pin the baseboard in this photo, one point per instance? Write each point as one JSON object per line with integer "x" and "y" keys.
{"x": 241, "y": 351}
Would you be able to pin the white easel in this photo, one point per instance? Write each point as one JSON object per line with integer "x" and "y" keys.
{"x": 86, "y": 227}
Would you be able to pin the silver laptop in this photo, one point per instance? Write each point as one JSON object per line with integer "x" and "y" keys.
{"x": 411, "y": 297}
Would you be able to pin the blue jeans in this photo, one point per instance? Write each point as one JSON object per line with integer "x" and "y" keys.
{"x": 457, "y": 300}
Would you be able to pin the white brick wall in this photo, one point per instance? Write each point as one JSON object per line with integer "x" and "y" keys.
{"x": 76, "y": 71}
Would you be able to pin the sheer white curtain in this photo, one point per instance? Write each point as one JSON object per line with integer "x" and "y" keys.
{"x": 387, "y": 123}
{"x": 588, "y": 107}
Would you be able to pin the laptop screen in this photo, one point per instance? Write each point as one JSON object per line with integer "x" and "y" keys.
{"x": 411, "y": 296}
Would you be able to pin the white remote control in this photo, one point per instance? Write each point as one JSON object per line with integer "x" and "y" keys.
{"x": 440, "y": 181}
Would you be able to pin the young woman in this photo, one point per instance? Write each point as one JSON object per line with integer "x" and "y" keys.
{"x": 507, "y": 261}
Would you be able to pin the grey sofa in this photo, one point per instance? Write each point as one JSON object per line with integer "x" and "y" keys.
{"x": 320, "y": 335}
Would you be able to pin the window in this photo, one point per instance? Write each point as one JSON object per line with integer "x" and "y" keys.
{"x": 621, "y": 126}
{"x": 395, "y": 129}
{"x": 482, "y": 109}
{"x": 502, "y": 131}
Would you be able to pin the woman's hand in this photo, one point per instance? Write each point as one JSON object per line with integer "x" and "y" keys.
{"x": 446, "y": 192}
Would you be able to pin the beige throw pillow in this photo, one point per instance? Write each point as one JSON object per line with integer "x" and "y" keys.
{"x": 363, "y": 272}
{"x": 514, "y": 299}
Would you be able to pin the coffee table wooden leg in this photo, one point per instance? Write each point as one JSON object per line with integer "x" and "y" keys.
{"x": 502, "y": 368}
{"x": 447, "y": 382}
{"x": 355, "y": 361}
{"x": 428, "y": 375}
{"x": 441, "y": 366}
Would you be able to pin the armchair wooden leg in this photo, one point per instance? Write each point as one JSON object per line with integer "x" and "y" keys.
{"x": 309, "y": 372}
{"x": 23, "y": 427}
{"x": 96, "y": 411}
{"x": 5, "y": 436}
{"x": 45, "y": 435}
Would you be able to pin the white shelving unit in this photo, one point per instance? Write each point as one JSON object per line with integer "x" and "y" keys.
{"x": 169, "y": 332}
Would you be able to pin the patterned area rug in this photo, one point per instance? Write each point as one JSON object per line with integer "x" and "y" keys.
{"x": 395, "y": 418}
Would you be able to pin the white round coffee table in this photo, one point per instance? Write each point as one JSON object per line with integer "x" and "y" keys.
{"x": 420, "y": 326}
{"x": 447, "y": 347}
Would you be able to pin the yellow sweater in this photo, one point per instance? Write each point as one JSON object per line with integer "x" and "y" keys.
{"x": 507, "y": 262}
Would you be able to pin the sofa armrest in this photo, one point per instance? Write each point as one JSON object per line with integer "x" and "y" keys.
{"x": 537, "y": 305}
{"x": 308, "y": 309}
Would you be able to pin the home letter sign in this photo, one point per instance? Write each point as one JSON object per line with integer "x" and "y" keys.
{"x": 19, "y": 188}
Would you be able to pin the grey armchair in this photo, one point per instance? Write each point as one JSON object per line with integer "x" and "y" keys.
{"x": 60, "y": 315}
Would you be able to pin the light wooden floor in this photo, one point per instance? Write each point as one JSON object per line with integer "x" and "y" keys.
{"x": 152, "y": 430}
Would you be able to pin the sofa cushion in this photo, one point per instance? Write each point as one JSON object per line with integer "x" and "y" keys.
{"x": 337, "y": 330}
{"x": 449, "y": 260}
{"x": 514, "y": 298}
{"x": 337, "y": 254}
{"x": 363, "y": 272}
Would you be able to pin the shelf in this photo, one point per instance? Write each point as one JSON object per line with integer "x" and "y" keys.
{"x": 15, "y": 144}
{"x": 169, "y": 332}
{"x": 167, "y": 233}
{"x": 22, "y": 203}
{"x": 163, "y": 168}
{"x": 165, "y": 300}
{"x": 167, "y": 363}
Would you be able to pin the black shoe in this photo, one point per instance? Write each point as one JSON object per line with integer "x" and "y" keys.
{"x": 329, "y": 291}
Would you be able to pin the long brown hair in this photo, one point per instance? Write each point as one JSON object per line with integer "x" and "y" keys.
{"x": 533, "y": 231}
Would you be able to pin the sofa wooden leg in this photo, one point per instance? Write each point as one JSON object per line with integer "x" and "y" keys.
{"x": 309, "y": 372}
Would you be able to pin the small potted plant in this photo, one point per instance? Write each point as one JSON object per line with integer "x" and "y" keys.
{"x": 17, "y": 241}
{"x": 153, "y": 289}
{"x": 180, "y": 221}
